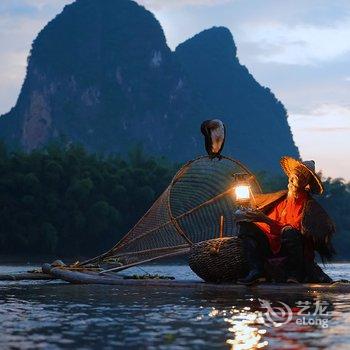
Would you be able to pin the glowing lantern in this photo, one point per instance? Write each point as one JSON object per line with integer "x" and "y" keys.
{"x": 242, "y": 193}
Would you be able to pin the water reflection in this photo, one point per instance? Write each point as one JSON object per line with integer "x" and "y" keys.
{"x": 245, "y": 333}
{"x": 54, "y": 316}
{"x": 303, "y": 319}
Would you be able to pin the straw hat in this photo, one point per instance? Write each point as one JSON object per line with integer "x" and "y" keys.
{"x": 289, "y": 164}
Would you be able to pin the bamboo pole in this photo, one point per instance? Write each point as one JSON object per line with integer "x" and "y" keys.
{"x": 221, "y": 226}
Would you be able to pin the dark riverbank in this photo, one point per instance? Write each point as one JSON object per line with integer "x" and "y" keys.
{"x": 64, "y": 201}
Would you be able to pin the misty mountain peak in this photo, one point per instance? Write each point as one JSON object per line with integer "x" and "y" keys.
{"x": 101, "y": 74}
{"x": 216, "y": 43}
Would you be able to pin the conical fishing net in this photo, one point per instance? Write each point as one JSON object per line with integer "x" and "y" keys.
{"x": 189, "y": 211}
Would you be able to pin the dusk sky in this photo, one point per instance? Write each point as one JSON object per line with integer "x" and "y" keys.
{"x": 299, "y": 49}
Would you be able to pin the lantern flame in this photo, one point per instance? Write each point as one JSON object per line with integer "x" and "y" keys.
{"x": 242, "y": 192}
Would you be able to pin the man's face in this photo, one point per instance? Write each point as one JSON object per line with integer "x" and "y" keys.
{"x": 297, "y": 182}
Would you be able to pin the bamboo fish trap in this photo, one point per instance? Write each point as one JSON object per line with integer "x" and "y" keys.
{"x": 187, "y": 213}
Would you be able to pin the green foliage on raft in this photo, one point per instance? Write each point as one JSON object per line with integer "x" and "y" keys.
{"x": 148, "y": 277}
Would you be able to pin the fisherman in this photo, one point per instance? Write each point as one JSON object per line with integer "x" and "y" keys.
{"x": 288, "y": 223}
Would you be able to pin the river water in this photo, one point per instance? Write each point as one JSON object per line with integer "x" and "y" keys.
{"x": 56, "y": 315}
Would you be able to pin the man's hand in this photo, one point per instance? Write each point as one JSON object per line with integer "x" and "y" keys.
{"x": 251, "y": 216}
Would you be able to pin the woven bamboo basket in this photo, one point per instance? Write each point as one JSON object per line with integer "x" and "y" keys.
{"x": 218, "y": 260}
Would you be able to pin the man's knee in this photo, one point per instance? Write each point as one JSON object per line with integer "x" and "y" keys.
{"x": 247, "y": 234}
{"x": 254, "y": 238}
{"x": 290, "y": 234}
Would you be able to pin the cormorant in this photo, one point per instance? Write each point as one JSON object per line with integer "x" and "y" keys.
{"x": 214, "y": 132}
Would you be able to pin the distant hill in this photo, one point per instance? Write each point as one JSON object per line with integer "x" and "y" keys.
{"x": 101, "y": 74}
{"x": 257, "y": 122}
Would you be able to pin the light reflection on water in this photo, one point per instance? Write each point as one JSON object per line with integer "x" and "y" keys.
{"x": 54, "y": 315}
{"x": 245, "y": 333}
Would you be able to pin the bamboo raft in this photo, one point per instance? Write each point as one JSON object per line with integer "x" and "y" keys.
{"x": 76, "y": 277}
{"x": 26, "y": 276}
{"x": 112, "y": 279}
{"x": 193, "y": 216}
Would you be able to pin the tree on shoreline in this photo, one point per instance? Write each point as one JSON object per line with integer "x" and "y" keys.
{"x": 67, "y": 202}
